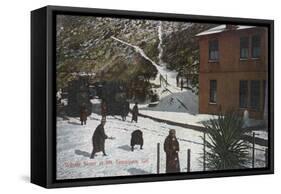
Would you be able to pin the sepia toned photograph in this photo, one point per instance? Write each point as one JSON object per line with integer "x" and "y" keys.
{"x": 146, "y": 97}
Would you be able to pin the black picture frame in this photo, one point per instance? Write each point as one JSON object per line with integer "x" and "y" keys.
{"x": 43, "y": 88}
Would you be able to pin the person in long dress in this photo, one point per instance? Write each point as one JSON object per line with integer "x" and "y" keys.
{"x": 98, "y": 139}
{"x": 171, "y": 148}
{"x": 135, "y": 113}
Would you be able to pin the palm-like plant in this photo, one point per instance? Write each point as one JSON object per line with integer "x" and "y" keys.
{"x": 225, "y": 147}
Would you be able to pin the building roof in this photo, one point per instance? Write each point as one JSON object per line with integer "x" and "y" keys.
{"x": 222, "y": 28}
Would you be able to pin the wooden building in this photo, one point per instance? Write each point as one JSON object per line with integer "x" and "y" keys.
{"x": 233, "y": 70}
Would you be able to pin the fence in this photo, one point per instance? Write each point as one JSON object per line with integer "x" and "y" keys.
{"x": 189, "y": 151}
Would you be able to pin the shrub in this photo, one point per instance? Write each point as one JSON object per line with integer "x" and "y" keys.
{"x": 225, "y": 148}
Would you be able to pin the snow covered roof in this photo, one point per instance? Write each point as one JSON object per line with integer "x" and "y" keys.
{"x": 221, "y": 28}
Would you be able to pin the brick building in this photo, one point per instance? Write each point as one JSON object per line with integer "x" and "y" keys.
{"x": 233, "y": 70}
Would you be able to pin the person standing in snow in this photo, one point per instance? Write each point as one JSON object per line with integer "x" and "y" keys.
{"x": 171, "y": 148}
{"x": 135, "y": 113}
{"x": 98, "y": 139}
{"x": 83, "y": 114}
{"x": 181, "y": 83}
{"x": 103, "y": 109}
{"x": 125, "y": 110}
{"x": 177, "y": 79}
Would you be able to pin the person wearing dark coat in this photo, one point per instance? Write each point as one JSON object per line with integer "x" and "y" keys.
{"x": 98, "y": 139}
{"x": 83, "y": 115}
{"x": 103, "y": 109}
{"x": 125, "y": 109}
{"x": 135, "y": 113}
{"x": 171, "y": 148}
{"x": 177, "y": 78}
{"x": 136, "y": 139}
{"x": 181, "y": 83}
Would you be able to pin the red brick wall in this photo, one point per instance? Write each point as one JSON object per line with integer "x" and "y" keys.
{"x": 229, "y": 70}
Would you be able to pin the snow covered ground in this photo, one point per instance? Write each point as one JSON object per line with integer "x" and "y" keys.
{"x": 170, "y": 108}
{"x": 261, "y": 134}
{"x": 74, "y": 142}
{"x": 179, "y": 117}
{"x": 74, "y": 147}
{"x": 179, "y": 101}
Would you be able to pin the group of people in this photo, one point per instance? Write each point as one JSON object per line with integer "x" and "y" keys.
{"x": 171, "y": 146}
{"x": 123, "y": 112}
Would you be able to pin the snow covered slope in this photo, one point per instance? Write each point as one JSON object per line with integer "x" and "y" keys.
{"x": 185, "y": 101}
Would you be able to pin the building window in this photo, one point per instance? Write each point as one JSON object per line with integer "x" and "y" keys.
{"x": 244, "y": 47}
{"x": 243, "y": 94}
{"x": 213, "y": 91}
{"x": 214, "y": 50}
{"x": 256, "y": 46}
{"x": 255, "y": 94}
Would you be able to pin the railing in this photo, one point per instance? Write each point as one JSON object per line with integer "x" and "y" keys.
{"x": 252, "y": 157}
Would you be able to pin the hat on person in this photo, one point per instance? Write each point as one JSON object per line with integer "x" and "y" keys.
{"x": 172, "y": 131}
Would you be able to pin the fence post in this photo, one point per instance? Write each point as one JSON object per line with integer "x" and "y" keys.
{"x": 204, "y": 152}
{"x": 158, "y": 158}
{"x": 188, "y": 160}
{"x": 266, "y": 157}
{"x": 253, "y": 151}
